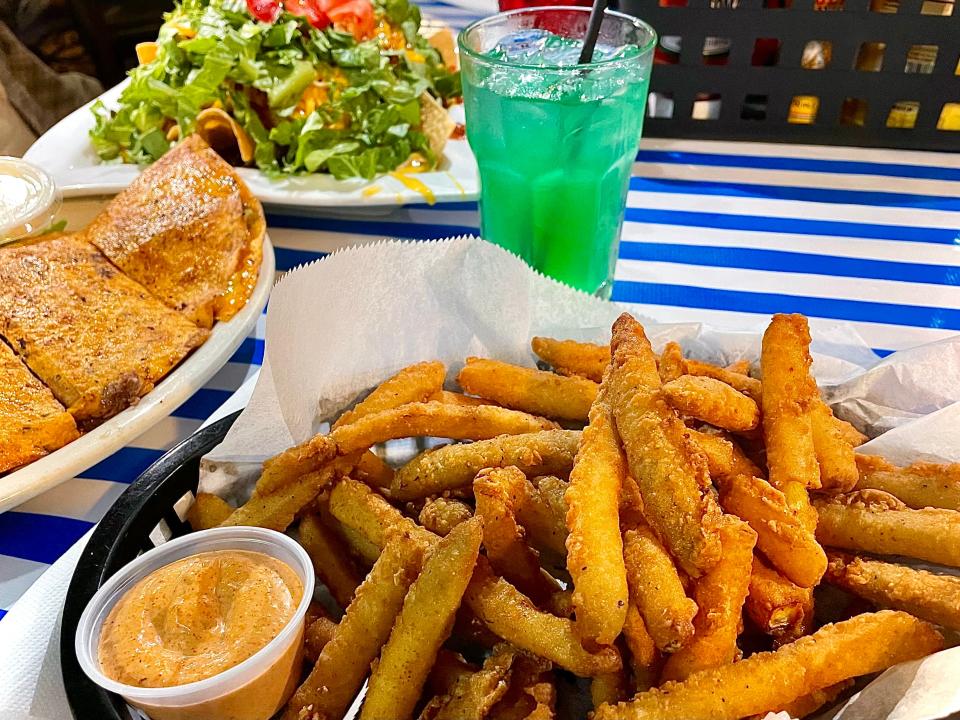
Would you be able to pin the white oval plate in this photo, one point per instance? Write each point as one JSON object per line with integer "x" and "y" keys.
{"x": 65, "y": 151}
{"x": 120, "y": 430}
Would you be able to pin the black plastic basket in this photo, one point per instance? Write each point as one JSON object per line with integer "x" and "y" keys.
{"x": 755, "y": 101}
{"x": 145, "y": 515}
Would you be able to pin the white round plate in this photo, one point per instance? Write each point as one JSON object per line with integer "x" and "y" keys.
{"x": 120, "y": 430}
{"x": 66, "y": 152}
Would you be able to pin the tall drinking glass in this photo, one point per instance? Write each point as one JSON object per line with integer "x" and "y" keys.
{"x": 555, "y": 140}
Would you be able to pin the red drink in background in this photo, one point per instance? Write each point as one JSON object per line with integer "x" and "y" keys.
{"x": 517, "y": 4}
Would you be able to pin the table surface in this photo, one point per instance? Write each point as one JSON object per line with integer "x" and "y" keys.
{"x": 714, "y": 232}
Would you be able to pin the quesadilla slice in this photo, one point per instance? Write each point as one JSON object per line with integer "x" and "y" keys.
{"x": 189, "y": 230}
{"x": 32, "y": 422}
{"x": 94, "y": 336}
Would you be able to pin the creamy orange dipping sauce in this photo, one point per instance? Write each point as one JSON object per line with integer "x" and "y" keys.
{"x": 197, "y": 617}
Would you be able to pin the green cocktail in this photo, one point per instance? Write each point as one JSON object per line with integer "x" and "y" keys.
{"x": 555, "y": 140}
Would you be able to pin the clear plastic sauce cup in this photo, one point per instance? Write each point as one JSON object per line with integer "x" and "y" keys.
{"x": 29, "y": 199}
{"x": 252, "y": 690}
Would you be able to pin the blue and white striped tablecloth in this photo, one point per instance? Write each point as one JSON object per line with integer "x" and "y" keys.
{"x": 714, "y": 232}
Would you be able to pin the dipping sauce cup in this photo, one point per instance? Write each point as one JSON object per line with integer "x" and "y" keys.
{"x": 253, "y": 689}
{"x": 555, "y": 140}
{"x": 29, "y": 199}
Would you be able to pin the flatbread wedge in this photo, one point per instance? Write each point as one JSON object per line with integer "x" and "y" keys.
{"x": 189, "y": 230}
{"x": 95, "y": 337}
{"x": 32, "y": 422}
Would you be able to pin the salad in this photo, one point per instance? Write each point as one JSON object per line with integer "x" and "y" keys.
{"x": 346, "y": 87}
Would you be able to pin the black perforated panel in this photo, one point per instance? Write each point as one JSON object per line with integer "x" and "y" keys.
{"x": 846, "y": 30}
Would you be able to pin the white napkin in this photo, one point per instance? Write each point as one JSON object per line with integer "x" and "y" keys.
{"x": 32, "y": 686}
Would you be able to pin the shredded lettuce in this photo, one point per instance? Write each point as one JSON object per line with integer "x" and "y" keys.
{"x": 366, "y": 117}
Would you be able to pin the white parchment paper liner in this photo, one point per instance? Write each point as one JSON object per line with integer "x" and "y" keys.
{"x": 337, "y": 327}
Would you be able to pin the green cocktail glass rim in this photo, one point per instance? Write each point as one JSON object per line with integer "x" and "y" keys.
{"x": 479, "y": 56}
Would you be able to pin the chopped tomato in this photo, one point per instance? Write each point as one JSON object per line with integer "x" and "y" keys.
{"x": 264, "y": 10}
{"x": 313, "y": 10}
{"x": 355, "y": 17}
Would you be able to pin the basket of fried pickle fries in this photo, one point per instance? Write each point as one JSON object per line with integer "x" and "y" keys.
{"x": 600, "y": 526}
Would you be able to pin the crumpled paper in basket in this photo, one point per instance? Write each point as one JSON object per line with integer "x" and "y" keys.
{"x": 339, "y": 326}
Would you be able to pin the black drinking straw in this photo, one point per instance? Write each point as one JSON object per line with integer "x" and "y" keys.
{"x": 593, "y": 30}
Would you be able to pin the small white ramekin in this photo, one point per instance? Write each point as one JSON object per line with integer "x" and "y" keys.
{"x": 29, "y": 199}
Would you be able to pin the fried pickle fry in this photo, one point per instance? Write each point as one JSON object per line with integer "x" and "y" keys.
{"x": 458, "y": 422}
{"x": 331, "y": 561}
{"x": 777, "y": 606}
{"x": 531, "y": 694}
{"x": 452, "y": 466}
{"x": 472, "y": 696}
{"x": 511, "y": 615}
{"x": 423, "y": 624}
{"x": 318, "y": 634}
{"x": 670, "y": 364}
{"x": 669, "y": 470}
{"x": 742, "y": 382}
{"x": 277, "y": 509}
{"x": 362, "y": 549}
{"x": 543, "y": 516}
{"x": 534, "y": 391}
{"x": 835, "y": 455}
{"x": 864, "y": 644}
{"x": 919, "y": 485}
{"x": 609, "y": 688}
{"x": 850, "y": 434}
{"x": 208, "y": 511}
{"x": 455, "y": 398}
{"x": 498, "y": 604}
{"x": 498, "y": 492}
{"x": 788, "y": 394}
{"x": 345, "y": 660}
{"x": 293, "y": 463}
{"x": 741, "y": 367}
{"x": 719, "y": 595}
{"x": 569, "y": 357}
{"x": 643, "y": 656}
{"x": 656, "y": 589}
{"x": 373, "y": 470}
{"x": 441, "y": 515}
{"x": 364, "y": 511}
{"x": 876, "y": 522}
{"x": 447, "y": 671}
{"x": 413, "y": 384}
{"x": 712, "y": 401}
{"x": 925, "y": 594}
{"x": 717, "y": 449}
{"x": 781, "y": 536}
{"x": 594, "y": 545}
{"x": 811, "y": 702}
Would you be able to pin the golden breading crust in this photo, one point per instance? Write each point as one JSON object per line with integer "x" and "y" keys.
{"x": 189, "y": 230}
{"x": 98, "y": 339}
{"x": 32, "y": 422}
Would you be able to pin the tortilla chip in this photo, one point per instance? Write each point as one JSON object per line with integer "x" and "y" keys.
{"x": 189, "y": 230}
{"x": 435, "y": 123}
{"x": 224, "y": 134}
{"x": 442, "y": 41}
